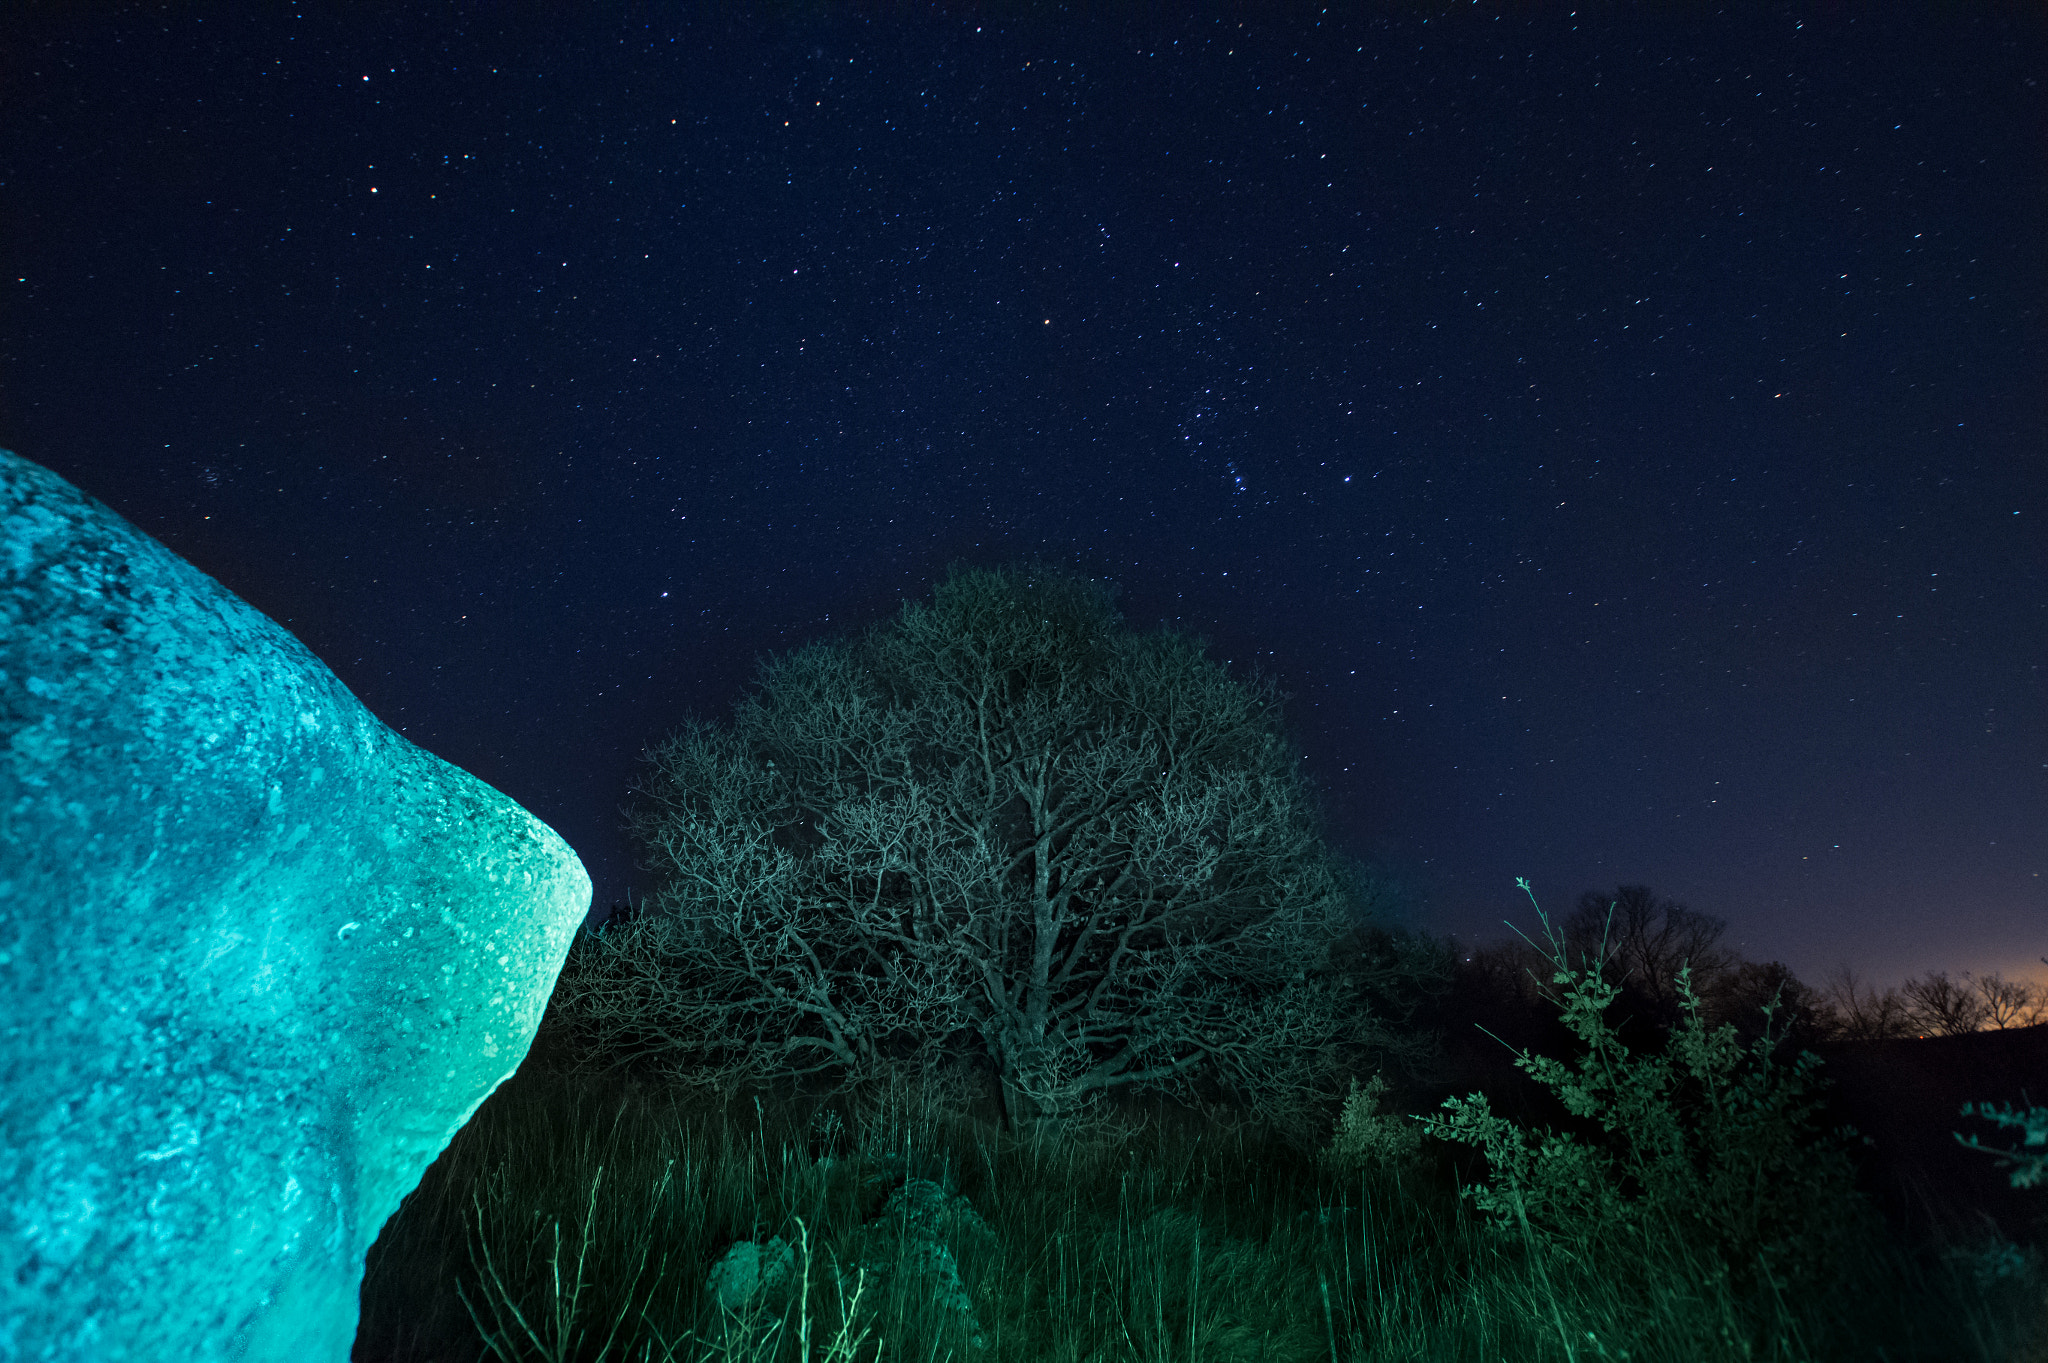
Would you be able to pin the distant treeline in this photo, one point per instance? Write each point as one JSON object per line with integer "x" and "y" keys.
{"x": 1645, "y": 941}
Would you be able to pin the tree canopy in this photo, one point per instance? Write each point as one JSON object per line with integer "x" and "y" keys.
{"x": 1001, "y": 827}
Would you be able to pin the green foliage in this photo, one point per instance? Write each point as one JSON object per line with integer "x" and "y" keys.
{"x": 1708, "y": 1139}
{"x": 2028, "y": 1162}
{"x": 1367, "y": 1138}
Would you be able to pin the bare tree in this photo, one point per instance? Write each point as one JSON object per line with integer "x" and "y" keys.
{"x": 1003, "y": 826}
{"x": 1646, "y": 941}
{"x": 1943, "y": 1007}
{"x": 1739, "y": 994}
{"x": 1509, "y": 972}
{"x": 1865, "y": 1013}
{"x": 2009, "y": 1003}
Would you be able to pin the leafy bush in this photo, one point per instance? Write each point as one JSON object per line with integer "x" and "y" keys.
{"x": 2029, "y": 1162}
{"x": 1368, "y": 1138}
{"x": 1706, "y": 1138}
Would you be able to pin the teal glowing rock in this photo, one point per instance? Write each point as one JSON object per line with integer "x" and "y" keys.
{"x": 260, "y": 957}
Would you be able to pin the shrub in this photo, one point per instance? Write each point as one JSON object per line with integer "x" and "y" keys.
{"x": 1367, "y": 1138}
{"x": 1706, "y": 1138}
{"x": 2028, "y": 1162}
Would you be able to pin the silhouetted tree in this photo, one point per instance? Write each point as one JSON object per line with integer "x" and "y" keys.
{"x": 1933, "y": 1005}
{"x": 1940, "y": 1006}
{"x": 1862, "y": 1012}
{"x": 1001, "y": 824}
{"x": 1738, "y": 995}
{"x": 2009, "y": 1003}
{"x": 1645, "y": 941}
{"x": 1500, "y": 984}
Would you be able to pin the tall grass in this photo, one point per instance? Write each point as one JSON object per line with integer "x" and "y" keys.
{"x": 578, "y": 1219}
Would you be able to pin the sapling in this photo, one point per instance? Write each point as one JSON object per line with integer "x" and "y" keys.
{"x": 1366, "y": 1137}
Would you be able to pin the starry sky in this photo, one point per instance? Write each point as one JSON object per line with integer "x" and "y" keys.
{"x": 1621, "y": 431}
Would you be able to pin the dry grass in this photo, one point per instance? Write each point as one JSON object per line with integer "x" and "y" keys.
{"x": 578, "y": 1219}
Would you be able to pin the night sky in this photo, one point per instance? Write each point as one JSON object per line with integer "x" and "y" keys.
{"x": 1622, "y": 433}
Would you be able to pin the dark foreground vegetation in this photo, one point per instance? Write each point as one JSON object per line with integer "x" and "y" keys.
{"x": 999, "y": 998}
{"x": 1696, "y": 1208}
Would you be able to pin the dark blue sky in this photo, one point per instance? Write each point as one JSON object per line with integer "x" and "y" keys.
{"x": 1622, "y": 432}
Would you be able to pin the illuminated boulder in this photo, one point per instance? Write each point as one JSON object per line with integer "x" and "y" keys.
{"x": 260, "y": 957}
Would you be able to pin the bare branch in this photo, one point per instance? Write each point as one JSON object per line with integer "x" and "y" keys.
{"x": 1002, "y": 817}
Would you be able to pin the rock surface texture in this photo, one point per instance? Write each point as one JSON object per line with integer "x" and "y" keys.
{"x": 260, "y": 957}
